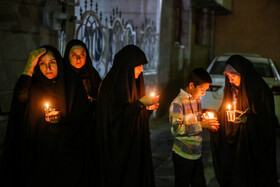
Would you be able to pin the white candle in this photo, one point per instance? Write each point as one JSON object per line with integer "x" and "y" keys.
{"x": 230, "y": 114}
{"x": 47, "y": 112}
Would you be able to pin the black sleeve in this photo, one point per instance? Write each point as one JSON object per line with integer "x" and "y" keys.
{"x": 22, "y": 88}
{"x": 10, "y": 161}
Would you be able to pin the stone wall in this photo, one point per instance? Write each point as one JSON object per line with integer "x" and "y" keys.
{"x": 21, "y": 30}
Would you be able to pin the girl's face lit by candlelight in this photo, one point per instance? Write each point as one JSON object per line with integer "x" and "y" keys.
{"x": 48, "y": 65}
{"x": 77, "y": 56}
{"x": 138, "y": 70}
{"x": 234, "y": 79}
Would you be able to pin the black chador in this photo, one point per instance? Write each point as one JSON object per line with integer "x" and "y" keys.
{"x": 88, "y": 73}
{"x": 39, "y": 153}
{"x": 244, "y": 154}
{"x": 123, "y": 136}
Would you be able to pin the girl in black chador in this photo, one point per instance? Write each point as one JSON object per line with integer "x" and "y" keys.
{"x": 244, "y": 151}
{"x": 77, "y": 56}
{"x": 123, "y": 137}
{"x": 41, "y": 148}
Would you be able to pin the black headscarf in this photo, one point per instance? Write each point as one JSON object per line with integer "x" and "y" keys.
{"x": 88, "y": 73}
{"x": 123, "y": 137}
{"x": 245, "y": 154}
{"x": 38, "y": 153}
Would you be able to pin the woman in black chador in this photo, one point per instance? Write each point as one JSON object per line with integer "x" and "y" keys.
{"x": 123, "y": 136}
{"x": 47, "y": 150}
{"x": 244, "y": 151}
{"x": 77, "y": 57}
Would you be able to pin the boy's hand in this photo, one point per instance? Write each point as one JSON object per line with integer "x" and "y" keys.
{"x": 210, "y": 123}
{"x": 214, "y": 128}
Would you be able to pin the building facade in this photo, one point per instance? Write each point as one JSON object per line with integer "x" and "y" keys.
{"x": 176, "y": 35}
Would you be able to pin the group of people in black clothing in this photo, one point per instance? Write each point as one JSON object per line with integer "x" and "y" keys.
{"x": 97, "y": 133}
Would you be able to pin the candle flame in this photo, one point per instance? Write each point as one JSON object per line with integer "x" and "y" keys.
{"x": 47, "y": 105}
{"x": 152, "y": 94}
{"x": 229, "y": 106}
{"x": 211, "y": 115}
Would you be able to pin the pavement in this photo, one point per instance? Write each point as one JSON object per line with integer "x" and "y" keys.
{"x": 162, "y": 142}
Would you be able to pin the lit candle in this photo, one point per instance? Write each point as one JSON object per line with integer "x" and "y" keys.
{"x": 210, "y": 115}
{"x": 153, "y": 106}
{"x": 229, "y": 106}
{"x": 230, "y": 114}
{"x": 47, "y": 112}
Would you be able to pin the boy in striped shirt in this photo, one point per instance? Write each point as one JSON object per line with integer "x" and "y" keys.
{"x": 186, "y": 126}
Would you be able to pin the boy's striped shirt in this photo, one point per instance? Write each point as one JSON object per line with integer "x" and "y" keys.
{"x": 184, "y": 116}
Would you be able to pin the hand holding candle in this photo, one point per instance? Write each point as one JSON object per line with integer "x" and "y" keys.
{"x": 51, "y": 115}
{"x": 54, "y": 116}
{"x": 208, "y": 115}
{"x": 242, "y": 118}
{"x": 150, "y": 101}
{"x": 209, "y": 121}
{"x": 155, "y": 105}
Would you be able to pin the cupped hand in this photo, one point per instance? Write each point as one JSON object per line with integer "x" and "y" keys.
{"x": 208, "y": 123}
{"x": 214, "y": 128}
{"x": 148, "y": 100}
{"x": 54, "y": 116}
{"x": 153, "y": 107}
